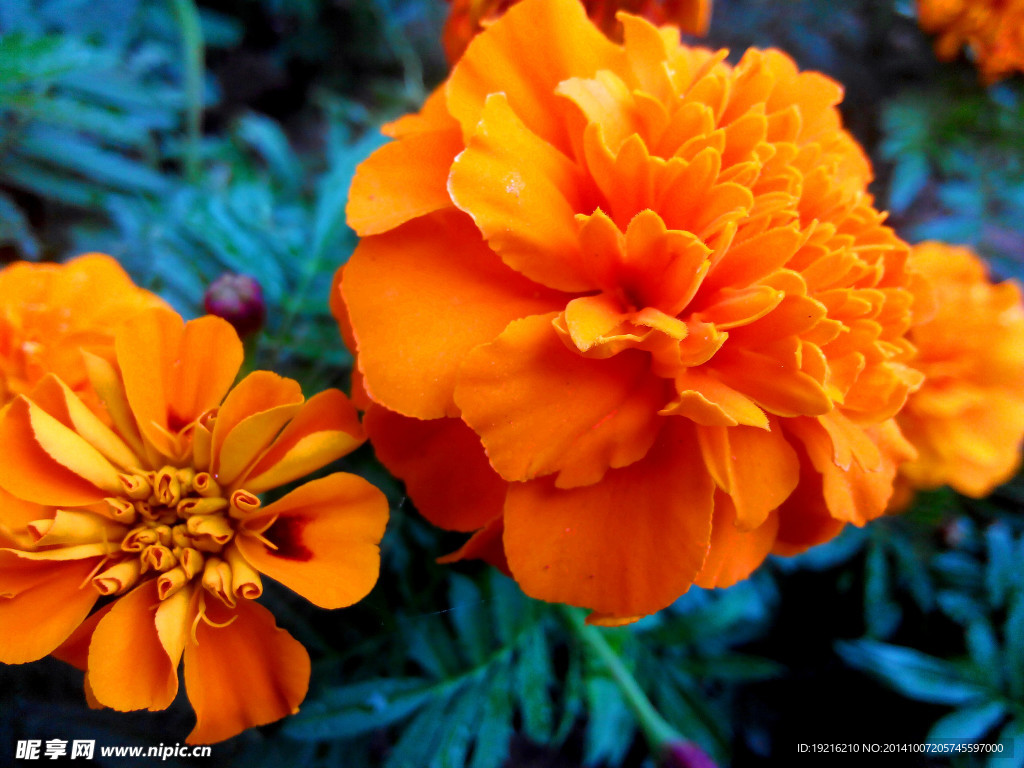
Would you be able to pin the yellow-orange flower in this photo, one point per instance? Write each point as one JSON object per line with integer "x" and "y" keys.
{"x": 967, "y": 421}
{"x": 161, "y": 510}
{"x": 468, "y": 17}
{"x": 993, "y": 30}
{"x": 627, "y": 311}
{"x": 50, "y": 312}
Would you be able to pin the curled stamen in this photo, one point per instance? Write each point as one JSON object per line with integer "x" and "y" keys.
{"x": 136, "y": 487}
{"x": 122, "y": 510}
{"x": 138, "y": 539}
{"x": 194, "y": 506}
{"x": 243, "y": 503}
{"x": 191, "y": 560}
{"x": 245, "y": 580}
{"x": 167, "y": 487}
{"x": 217, "y": 580}
{"x": 171, "y": 583}
{"x": 214, "y": 527}
{"x": 118, "y": 578}
{"x": 204, "y": 484}
{"x": 158, "y": 557}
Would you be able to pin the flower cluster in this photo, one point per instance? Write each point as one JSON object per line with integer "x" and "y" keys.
{"x": 49, "y": 312}
{"x": 967, "y": 420}
{"x": 993, "y": 30}
{"x": 155, "y": 501}
{"x": 468, "y": 17}
{"x": 627, "y": 312}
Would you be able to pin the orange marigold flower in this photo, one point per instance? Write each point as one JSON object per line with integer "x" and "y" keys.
{"x": 627, "y": 311}
{"x": 161, "y": 510}
{"x": 468, "y": 17}
{"x": 50, "y": 312}
{"x": 993, "y": 30}
{"x": 967, "y": 421}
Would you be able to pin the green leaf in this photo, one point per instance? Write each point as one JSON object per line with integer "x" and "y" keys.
{"x": 911, "y": 672}
{"x": 1013, "y": 642}
{"x": 968, "y": 725}
{"x": 1001, "y": 569}
{"x": 881, "y": 613}
{"x": 492, "y": 739}
{"x": 359, "y": 708}
{"x": 610, "y": 725}
{"x": 1011, "y": 737}
{"x": 983, "y": 648}
{"x": 469, "y": 615}
{"x": 533, "y": 675}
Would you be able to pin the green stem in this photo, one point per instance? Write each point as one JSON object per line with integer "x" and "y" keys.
{"x": 193, "y": 51}
{"x": 657, "y": 730}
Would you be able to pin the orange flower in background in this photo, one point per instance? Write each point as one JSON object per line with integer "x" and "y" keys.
{"x": 967, "y": 421}
{"x": 50, "y": 312}
{"x": 993, "y": 30}
{"x": 161, "y": 510}
{"x": 627, "y": 312}
{"x": 468, "y": 17}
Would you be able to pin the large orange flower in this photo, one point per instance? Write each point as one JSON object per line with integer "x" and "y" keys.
{"x": 967, "y": 421}
{"x": 993, "y": 30}
{"x": 50, "y": 312}
{"x": 468, "y": 17}
{"x": 162, "y": 511}
{"x": 627, "y": 311}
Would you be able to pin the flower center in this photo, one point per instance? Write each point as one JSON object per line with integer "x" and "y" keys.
{"x": 182, "y": 528}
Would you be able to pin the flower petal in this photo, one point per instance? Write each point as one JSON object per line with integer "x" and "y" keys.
{"x": 325, "y": 428}
{"x": 402, "y": 181}
{"x": 249, "y": 419}
{"x": 327, "y": 533}
{"x": 41, "y": 604}
{"x": 419, "y": 267}
{"x": 627, "y": 546}
{"x": 31, "y": 473}
{"x": 524, "y": 210}
{"x": 495, "y": 63}
{"x": 541, "y": 408}
{"x": 757, "y": 468}
{"x": 486, "y": 544}
{"x": 443, "y": 466}
{"x": 734, "y": 553}
{"x": 174, "y": 371}
{"x": 129, "y": 667}
{"x": 243, "y": 674}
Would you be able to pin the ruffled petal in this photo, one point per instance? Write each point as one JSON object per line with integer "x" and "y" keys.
{"x": 541, "y": 408}
{"x": 443, "y": 466}
{"x": 486, "y": 544}
{"x": 327, "y": 536}
{"x": 129, "y": 666}
{"x": 524, "y": 210}
{"x": 398, "y": 288}
{"x": 402, "y": 181}
{"x": 249, "y": 419}
{"x": 244, "y": 674}
{"x": 735, "y": 553}
{"x": 174, "y": 371}
{"x": 326, "y": 427}
{"x": 497, "y": 63}
{"x": 627, "y": 546}
{"x": 757, "y": 468}
{"x": 32, "y": 473}
{"x": 41, "y": 604}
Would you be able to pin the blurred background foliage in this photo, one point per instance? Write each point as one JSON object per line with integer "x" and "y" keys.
{"x": 189, "y": 141}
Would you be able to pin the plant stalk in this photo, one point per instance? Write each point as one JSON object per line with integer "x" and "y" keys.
{"x": 193, "y": 50}
{"x": 658, "y": 731}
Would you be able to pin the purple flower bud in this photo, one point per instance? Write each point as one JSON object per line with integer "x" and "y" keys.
{"x": 239, "y": 300}
{"x": 685, "y": 754}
